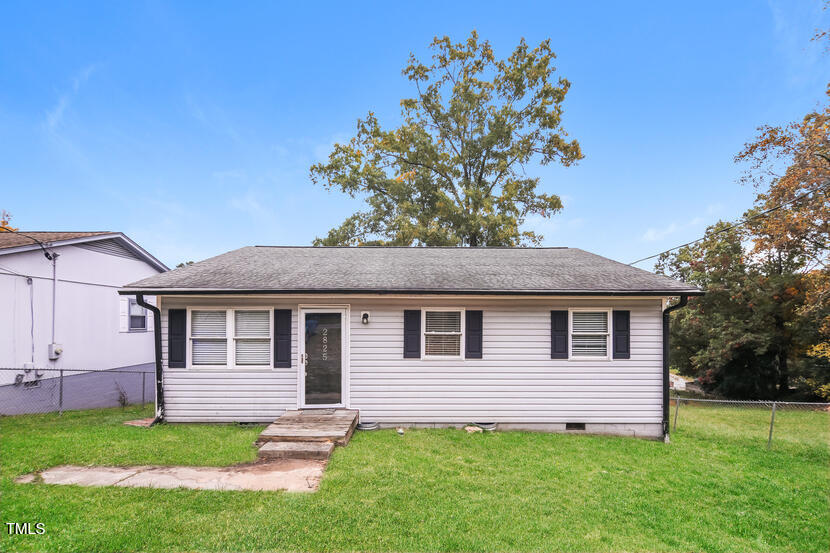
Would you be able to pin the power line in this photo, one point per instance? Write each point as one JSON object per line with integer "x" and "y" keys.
{"x": 46, "y": 253}
{"x": 739, "y": 224}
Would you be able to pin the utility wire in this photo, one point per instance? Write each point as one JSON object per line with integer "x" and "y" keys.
{"x": 47, "y": 253}
{"x": 738, "y": 224}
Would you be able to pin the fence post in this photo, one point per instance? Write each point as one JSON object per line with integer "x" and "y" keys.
{"x": 143, "y": 375}
{"x": 60, "y": 395}
{"x": 676, "y": 410}
{"x": 771, "y": 425}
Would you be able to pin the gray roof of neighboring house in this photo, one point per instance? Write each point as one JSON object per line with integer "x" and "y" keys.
{"x": 25, "y": 238}
{"x": 12, "y": 242}
{"x": 565, "y": 271}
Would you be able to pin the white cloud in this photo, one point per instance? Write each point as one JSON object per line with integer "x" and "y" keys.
{"x": 54, "y": 116}
{"x": 212, "y": 117}
{"x": 230, "y": 174}
{"x": 250, "y": 204}
{"x": 653, "y": 234}
{"x": 713, "y": 209}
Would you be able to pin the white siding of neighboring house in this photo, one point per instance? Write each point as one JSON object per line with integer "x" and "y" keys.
{"x": 88, "y": 311}
{"x": 516, "y": 381}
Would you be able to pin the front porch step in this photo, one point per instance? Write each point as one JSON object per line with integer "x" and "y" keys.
{"x": 318, "y": 451}
{"x": 311, "y": 425}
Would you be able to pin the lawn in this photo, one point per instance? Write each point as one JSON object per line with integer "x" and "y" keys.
{"x": 714, "y": 488}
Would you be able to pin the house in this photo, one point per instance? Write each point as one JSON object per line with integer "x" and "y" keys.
{"x": 61, "y": 311}
{"x": 529, "y": 338}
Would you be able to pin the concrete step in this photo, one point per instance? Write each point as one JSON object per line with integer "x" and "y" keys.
{"x": 319, "y": 451}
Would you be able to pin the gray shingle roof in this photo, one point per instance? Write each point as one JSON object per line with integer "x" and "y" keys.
{"x": 21, "y": 238}
{"x": 412, "y": 270}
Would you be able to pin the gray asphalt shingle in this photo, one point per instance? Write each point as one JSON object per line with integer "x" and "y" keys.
{"x": 378, "y": 269}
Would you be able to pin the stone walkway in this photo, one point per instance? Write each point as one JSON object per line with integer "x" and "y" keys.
{"x": 291, "y": 475}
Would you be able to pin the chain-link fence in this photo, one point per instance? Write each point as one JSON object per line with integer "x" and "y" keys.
{"x": 764, "y": 421}
{"x": 33, "y": 390}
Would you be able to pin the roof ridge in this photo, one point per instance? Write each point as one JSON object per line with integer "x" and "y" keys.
{"x": 419, "y": 247}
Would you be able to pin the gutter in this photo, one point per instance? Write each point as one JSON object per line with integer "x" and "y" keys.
{"x": 684, "y": 299}
{"x": 139, "y": 299}
{"x": 128, "y": 291}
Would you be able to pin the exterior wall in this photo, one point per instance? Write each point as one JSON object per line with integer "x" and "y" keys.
{"x": 516, "y": 383}
{"x": 86, "y": 314}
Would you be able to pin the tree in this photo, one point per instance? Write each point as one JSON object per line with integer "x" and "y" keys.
{"x": 741, "y": 337}
{"x": 764, "y": 323}
{"x": 184, "y": 264}
{"x": 453, "y": 172}
{"x": 800, "y": 229}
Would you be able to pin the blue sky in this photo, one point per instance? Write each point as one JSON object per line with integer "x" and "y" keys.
{"x": 191, "y": 127}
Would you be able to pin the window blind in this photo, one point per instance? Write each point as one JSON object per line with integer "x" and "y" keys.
{"x": 443, "y": 321}
{"x": 589, "y": 345}
{"x": 208, "y": 324}
{"x": 442, "y": 344}
{"x": 208, "y": 331}
{"x": 589, "y": 336}
{"x": 253, "y": 332}
{"x": 253, "y": 324}
{"x": 590, "y": 322}
{"x": 442, "y": 333}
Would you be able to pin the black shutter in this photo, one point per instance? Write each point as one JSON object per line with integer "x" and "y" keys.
{"x": 473, "y": 328}
{"x": 412, "y": 334}
{"x": 622, "y": 334}
{"x": 282, "y": 338}
{"x": 176, "y": 338}
{"x": 558, "y": 334}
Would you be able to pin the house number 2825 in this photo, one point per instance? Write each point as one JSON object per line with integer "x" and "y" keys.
{"x": 325, "y": 333}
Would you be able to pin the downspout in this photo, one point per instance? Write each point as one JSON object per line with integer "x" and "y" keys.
{"x": 682, "y": 303}
{"x": 54, "y": 291}
{"x": 139, "y": 299}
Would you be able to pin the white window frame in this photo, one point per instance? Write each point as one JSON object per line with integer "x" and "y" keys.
{"x": 609, "y": 318}
{"x": 130, "y": 328}
{"x": 230, "y": 339}
{"x": 462, "y": 348}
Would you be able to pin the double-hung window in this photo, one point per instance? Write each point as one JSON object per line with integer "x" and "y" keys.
{"x": 590, "y": 333}
{"x": 138, "y": 316}
{"x": 443, "y": 333}
{"x": 252, "y": 336}
{"x": 209, "y": 338}
{"x": 230, "y": 337}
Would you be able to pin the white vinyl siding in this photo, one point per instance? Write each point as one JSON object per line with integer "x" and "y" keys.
{"x": 442, "y": 333}
{"x": 590, "y": 334}
{"x": 516, "y": 381}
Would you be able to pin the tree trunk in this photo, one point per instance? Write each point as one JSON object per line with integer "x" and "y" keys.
{"x": 783, "y": 374}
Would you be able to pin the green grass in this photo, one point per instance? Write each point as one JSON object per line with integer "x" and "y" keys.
{"x": 714, "y": 488}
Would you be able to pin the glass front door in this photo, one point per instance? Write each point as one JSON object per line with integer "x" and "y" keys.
{"x": 323, "y": 357}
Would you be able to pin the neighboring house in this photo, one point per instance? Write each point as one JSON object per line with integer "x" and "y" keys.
{"x": 65, "y": 313}
{"x": 530, "y": 338}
